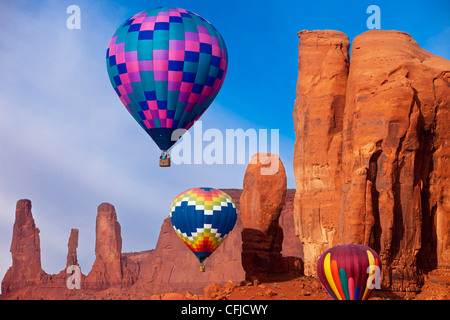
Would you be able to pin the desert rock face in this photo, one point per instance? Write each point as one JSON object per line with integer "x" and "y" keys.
{"x": 318, "y": 120}
{"x": 389, "y": 168}
{"x": 107, "y": 270}
{"x": 25, "y": 250}
{"x": 261, "y": 203}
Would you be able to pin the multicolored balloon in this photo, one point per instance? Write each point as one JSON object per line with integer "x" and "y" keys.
{"x": 349, "y": 272}
{"x": 166, "y": 65}
{"x": 203, "y": 218}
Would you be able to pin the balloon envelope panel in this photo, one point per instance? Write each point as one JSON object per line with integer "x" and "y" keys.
{"x": 344, "y": 271}
{"x": 166, "y": 65}
{"x": 203, "y": 218}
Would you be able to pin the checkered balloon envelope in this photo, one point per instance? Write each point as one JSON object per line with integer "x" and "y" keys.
{"x": 166, "y": 65}
{"x": 203, "y": 218}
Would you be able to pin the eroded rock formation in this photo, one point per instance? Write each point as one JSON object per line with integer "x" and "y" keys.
{"x": 108, "y": 270}
{"x": 262, "y": 201}
{"x": 379, "y": 162}
{"x": 72, "y": 246}
{"x": 25, "y": 250}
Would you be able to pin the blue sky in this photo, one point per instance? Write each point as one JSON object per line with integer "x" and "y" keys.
{"x": 68, "y": 144}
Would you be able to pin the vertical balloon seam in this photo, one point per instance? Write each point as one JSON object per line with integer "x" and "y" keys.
{"x": 361, "y": 274}
{"x": 201, "y": 107}
{"x": 329, "y": 276}
{"x": 377, "y": 271}
{"x": 335, "y": 274}
{"x": 378, "y": 263}
{"x": 140, "y": 84}
{"x": 216, "y": 225}
{"x": 222, "y": 225}
{"x": 223, "y": 49}
{"x": 185, "y": 215}
{"x": 345, "y": 264}
{"x": 230, "y": 221}
{"x": 214, "y": 241}
{"x": 210, "y": 238}
{"x": 156, "y": 72}
{"x": 156, "y": 45}
{"x": 198, "y": 220}
{"x": 199, "y": 225}
{"x": 355, "y": 274}
{"x": 135, "y": 95}
{"x": 203, "y": 60}
{"x": 182, "y": 214}
{"x": 230, "y": 217}
{"x": 181, "y": 107}
{"x": 122, "y": 31}
{"x": 173, "y": 36}
{"x": 152, "y": 82}
{"x": 351, "y": 288}
{"x": 186, "y": 115}
{"x": 206, "y": 219}
{"x": 344, "y": 283}
{"x": 357, "y": 293}
{"x": 141, "y": 117}
{"x": 231, "y": 207}
{"x": 322, "y": 276}
{"x": 368, "y": 289}
{"x": 174, "y": 105}
{"x": 346, "y": 267}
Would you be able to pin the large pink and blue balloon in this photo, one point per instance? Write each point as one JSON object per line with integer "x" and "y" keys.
{"x": 166, "y": 65}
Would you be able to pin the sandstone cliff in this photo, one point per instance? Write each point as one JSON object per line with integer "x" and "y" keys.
{"x": 373, "y": 170}
{"x": 318, "y": 120}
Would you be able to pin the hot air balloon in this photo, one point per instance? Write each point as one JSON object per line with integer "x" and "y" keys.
{"x": 203, "y": 218}
{"x": 166, "y": 65}
{"x": 349, "y": 272}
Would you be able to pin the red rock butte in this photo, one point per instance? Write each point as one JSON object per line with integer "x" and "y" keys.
{"x": 371, "y": 157}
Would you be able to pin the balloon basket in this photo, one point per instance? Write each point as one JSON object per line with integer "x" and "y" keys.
{"x": 164, "y": 160}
